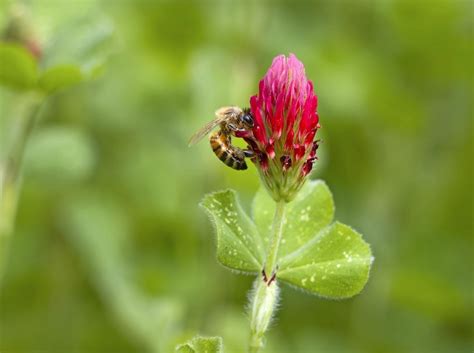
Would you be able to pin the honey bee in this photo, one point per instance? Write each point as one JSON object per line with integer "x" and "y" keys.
{"x": 231, "y": 120}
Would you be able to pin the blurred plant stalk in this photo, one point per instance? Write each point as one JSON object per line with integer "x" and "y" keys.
{"x": 22, "y": 124}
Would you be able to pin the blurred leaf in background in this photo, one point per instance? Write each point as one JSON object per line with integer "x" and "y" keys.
{"x": 18, "y": 67}
{"x": 108, "y": 220}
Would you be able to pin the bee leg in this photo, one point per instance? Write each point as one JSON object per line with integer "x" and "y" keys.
{"x": 232, "y": 127}
{"x": 242, "y": 133}
{"x": 249, "y": 153}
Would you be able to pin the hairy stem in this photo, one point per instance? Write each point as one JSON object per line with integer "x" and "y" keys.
{"x": 23, "y": 122}
{"x": 275, "y": 238}
{"x": 256, "y": 343}
{"x": 265, "y": 292}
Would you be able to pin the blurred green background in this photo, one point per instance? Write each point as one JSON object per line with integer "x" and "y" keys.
{"x": 111, "y": 252}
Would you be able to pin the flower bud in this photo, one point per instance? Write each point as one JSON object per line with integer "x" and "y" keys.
{"x": 285, "y": 124}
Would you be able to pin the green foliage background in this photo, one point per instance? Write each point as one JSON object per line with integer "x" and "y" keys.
{"x": 111, "y": 252}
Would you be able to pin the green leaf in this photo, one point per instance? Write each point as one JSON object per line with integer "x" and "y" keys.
{"x": 334, "y": 264}
{"x": 60, "y": 77}
{"x": 202, "y": 345}
{"x": 330, "y": 260}
{"x": 239, "y": 245}
{"x": 17, "y": 67}
{"x": 309, "y": 213}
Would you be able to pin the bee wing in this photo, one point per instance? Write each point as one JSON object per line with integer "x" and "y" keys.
{"x": 198, "y": 135}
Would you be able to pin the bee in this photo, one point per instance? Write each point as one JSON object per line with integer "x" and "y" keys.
{"x": 231, "y": 120}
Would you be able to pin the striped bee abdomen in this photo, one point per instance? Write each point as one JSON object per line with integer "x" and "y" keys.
{"x": 230, "y": 155}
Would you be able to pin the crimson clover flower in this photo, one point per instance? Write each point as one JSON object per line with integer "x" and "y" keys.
{"x": 285, "y": 124}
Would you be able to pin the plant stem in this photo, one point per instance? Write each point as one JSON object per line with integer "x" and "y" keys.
{"x": 275, "y": 238}
{"x": 265, "y": 292}
{"x": 254, "y": 348}
{"x": 10, "y": 164}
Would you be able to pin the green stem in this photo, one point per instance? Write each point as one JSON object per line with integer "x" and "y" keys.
{"x": 254, "y": 348}
{"x": 10, "y": 165}
{"x": 265, "y": 294}
{"x": 275, "y": 236}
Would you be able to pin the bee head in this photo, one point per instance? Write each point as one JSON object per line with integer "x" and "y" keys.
{"x": 247, "y": 118}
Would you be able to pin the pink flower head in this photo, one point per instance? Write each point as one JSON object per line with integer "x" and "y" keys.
{"x": 285, "y": 124}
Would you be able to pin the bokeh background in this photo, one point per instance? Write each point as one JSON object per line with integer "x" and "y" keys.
{"x": 111, "y": 252}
